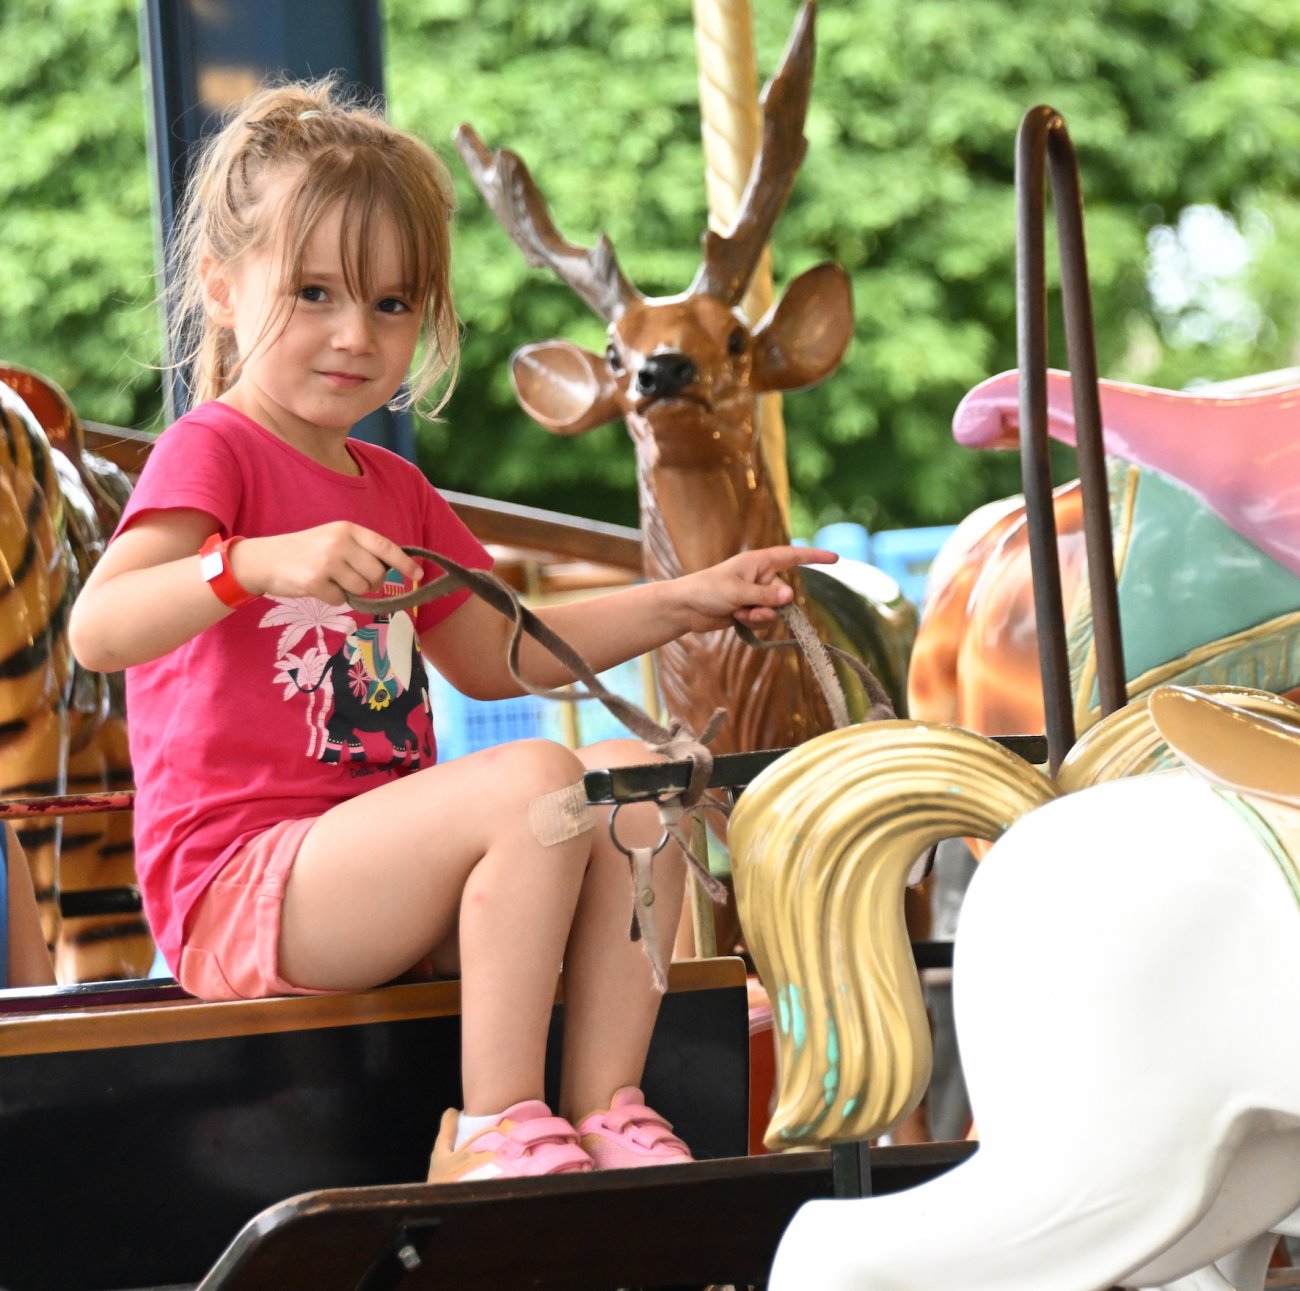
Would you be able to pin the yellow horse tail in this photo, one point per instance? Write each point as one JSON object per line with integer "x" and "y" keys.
{"x": 822, "y": 843}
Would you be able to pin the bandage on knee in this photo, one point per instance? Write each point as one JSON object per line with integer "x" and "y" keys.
{"x": 555, "y": 817}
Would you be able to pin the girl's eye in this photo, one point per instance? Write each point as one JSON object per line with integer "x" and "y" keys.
{"x": 313, "y": 294}
{"x": 392, "y": 305}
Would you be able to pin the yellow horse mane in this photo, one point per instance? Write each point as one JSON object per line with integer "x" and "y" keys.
{"x": 822, "y": 843}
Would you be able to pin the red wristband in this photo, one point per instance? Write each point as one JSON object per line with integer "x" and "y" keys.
{"x": 214, "y": 564}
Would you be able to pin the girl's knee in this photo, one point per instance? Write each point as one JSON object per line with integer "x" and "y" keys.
{"x": 539, "y": 765}
{"x": 616, "y": 753}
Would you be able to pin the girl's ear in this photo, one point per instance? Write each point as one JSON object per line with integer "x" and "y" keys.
{"x": 216, "y": 292}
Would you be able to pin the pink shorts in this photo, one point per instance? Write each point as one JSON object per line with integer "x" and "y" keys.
{"x": 232, "y": 950}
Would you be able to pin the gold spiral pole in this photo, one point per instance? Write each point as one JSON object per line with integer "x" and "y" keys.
{"x": 730, "y": 124}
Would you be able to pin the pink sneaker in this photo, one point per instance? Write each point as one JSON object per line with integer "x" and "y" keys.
{"x": 630, "y": 1134}
{"x": 527, "y": 1140}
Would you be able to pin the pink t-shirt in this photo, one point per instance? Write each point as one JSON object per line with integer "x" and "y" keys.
{"x": 289, "y": 705}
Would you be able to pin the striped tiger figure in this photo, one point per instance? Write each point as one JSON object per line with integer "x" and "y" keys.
{"x": 62, "y": 729}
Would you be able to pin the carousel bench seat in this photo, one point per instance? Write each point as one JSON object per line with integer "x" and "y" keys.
{"x": 714, "y": 1222}
{"x": 142, "y": 1129}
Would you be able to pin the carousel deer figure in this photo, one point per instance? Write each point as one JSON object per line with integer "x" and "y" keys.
{"x": 684, "y": 372}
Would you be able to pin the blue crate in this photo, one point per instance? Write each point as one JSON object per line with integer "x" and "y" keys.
{"x": 595, "y": 721}
{"x": 906, "y": 555}
{"x": 465, "y": 725}
{"x": 852, "y": 541}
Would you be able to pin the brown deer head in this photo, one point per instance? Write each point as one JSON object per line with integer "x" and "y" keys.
{"x": 684, "y": 371}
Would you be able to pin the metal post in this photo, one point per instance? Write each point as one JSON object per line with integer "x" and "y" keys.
{"x": 1043, "y": 149}
{"x": 703, "y": 928}
{"x": 851, "y": 1169}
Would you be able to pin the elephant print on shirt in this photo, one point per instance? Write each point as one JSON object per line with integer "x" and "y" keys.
{"x": 368, "y": 696}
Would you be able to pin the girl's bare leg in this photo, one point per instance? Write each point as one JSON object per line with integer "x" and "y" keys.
{"x": 610, "y": 1004}
{"x": 445, "y": 861}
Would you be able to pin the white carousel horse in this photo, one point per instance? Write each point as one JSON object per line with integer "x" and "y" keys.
{"x": 1132, "y": 1061}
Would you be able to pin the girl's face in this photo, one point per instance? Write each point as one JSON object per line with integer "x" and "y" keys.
{"x": 322, "y": 359}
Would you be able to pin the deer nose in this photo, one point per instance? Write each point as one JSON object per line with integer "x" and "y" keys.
{"x": 665, "y": 374}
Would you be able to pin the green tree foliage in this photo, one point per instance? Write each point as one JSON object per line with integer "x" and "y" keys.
{"x": 908, "y": 184}
{"x": 76, "y": 243}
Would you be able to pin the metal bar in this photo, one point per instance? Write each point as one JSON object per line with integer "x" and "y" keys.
{"x": 1035, "y": 468}
{"x": 1081, "y": 351}
{"x": 851, "y": 1169}
{"x": 704, "y": 928}
{"x": 1043, "y": 149}
{"x": 514, "y": 525}
{"x": 507, "y": 523}
{"x": 932, "y": 954}
{"x": 653, "y": 780}
{"x": 642, "y": 782}
{"x": 71, "y": 804}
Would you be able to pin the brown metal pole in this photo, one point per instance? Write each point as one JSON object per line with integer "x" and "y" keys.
{"x": 1081, "y": 352}
{"x": 1042, "y": 147}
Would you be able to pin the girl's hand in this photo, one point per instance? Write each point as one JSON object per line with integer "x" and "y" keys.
{"x": 327, "y": 562}
{"x": 745, "y": 588}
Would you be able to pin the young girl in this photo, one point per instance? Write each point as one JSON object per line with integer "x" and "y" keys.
{"x": 294, "y": 831}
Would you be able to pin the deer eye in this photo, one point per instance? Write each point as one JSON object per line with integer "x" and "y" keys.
{"x": 613, "y": 358}
{"x": 736, "y": 342}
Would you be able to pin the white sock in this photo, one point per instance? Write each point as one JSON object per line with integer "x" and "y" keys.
{"x": 469, "y": 1126}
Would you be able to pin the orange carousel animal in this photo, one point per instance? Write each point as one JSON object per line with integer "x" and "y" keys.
{"x": 62, "y": 730}
{"x": 1205, "y": 508}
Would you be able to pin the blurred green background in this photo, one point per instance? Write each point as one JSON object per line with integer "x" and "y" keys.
{"x": 1185, "y": 115}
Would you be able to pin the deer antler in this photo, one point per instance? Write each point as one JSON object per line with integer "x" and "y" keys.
{"x": 510, "y": 192}
{"x": 730, "y": 258}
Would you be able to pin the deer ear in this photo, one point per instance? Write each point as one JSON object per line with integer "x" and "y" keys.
{"x": 802, "y": 338}
{"x": 566, "y": 389}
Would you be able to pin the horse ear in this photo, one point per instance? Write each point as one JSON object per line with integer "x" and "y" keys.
{"x": 562, "y": 387}
{"x": 802, "y": 338}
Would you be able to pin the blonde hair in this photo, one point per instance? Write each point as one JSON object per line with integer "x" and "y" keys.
{"x": 822, "y": 843}
{"x": 341, "y": 152}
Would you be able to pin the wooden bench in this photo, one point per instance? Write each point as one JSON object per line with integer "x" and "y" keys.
{"x": 141, "y": 1129}
{"x": 676, "y": 1226}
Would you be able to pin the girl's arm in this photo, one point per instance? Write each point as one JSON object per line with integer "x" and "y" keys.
{"x": 146, "y": 596}
{"x": 469, "y": 646}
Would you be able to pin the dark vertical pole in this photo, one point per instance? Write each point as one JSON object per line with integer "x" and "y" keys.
{"x": 1042, "y": 136}
{"x": 1081, "y": 350}
{"x": 183, "y": 41}
{"x": 851, "y": 1169}
{"x": 4, "y": 907}
{"x": 1035, "y": 468}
